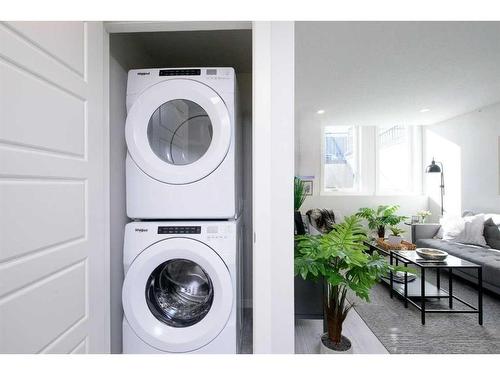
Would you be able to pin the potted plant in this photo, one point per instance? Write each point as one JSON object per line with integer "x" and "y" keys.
{"x": 378, "y": 219}
{"x": 299, "y": 195}
{"x": 395, "y": 236}
{"x": 423, "y": 215}
{"x": 340, "y": 258}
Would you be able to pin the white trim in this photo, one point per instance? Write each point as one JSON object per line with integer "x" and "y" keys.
{"x": 273, "y": 172}
{"x": 107, "y": 191}
{"x": 162, "y": 26}
{"x": 261, "y": 171}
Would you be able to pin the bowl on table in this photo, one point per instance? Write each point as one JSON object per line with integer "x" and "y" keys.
{"x": 431, "y": 254}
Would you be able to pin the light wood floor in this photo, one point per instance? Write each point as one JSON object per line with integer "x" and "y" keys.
{"x": 309, "y": 331}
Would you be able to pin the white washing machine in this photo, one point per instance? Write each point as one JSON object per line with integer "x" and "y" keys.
{"x": 182, "y": 288}
{"x": 182, "y": 137}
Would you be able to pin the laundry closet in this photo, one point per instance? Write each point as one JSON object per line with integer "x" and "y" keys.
{"x": 196, "y": 54}
{"x": 63, "y": 184}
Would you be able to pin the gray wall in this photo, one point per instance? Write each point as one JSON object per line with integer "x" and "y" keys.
{"x": 245, "y": 91}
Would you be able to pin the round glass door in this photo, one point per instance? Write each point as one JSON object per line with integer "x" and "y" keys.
{"x": 180, "y": 132}
{"x": 179, "y": 293}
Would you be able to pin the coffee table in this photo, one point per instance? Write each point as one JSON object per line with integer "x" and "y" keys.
{"x": 417, "y": 291}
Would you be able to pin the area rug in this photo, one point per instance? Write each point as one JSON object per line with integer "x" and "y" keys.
{"x": 400, "y": 330}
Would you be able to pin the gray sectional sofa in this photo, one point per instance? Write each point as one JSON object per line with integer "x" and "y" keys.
{"x": 424, "y": 236}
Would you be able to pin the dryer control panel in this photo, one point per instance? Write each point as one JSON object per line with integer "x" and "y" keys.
{"x": 180, "y": 72}
{"x": 179, "y": 230}
{"x": 220, "y": 79}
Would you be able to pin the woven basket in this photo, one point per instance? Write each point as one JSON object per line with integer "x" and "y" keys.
{"x": 404, "y": 245}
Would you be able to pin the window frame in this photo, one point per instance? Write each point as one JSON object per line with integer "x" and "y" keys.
{"x": 368, "y": 168}
{"x": 378, "y": 191}
{"x": 358, "y": 152}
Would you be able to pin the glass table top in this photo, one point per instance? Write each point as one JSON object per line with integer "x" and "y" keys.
{"x": 450, "y": 261}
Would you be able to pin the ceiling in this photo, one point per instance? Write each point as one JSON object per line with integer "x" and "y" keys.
{"x": 382, "y": 73}
{"x": 217, "y": 48}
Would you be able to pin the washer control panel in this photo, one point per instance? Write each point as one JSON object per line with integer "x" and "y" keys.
{"x": 179, "y": 230}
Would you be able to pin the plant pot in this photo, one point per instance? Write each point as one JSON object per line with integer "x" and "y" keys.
{"x": 329, "y": 347}
{"x": 395, "y": 240}
{"x": 381, "y": 232}
{"x": 299, "y": 224}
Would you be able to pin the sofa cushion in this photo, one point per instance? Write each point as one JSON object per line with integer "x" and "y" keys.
{"x": 488, "y": 258}
{"x": 492, "y": 234}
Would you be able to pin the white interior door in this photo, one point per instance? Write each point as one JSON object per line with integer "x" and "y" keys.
{"x": 53, "y": 248}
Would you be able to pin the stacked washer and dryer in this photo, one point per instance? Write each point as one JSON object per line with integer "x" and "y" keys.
{"x": 182, "y": 252}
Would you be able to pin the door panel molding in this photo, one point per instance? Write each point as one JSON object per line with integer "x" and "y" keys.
{"x": 21, "y": 54}
{"x": 30, "y": 34}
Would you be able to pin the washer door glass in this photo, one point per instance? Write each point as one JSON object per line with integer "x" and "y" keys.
{"x": 180, "y": 132}
{"x": 179, "y": 293}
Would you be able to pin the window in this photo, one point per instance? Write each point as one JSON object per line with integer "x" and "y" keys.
{"x": 394, "y": 161}
{"x": 371, "y": 160}
{"x": 341, "y": 158}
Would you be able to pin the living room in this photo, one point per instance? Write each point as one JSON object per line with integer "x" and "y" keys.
{"x": 404, "y": 116}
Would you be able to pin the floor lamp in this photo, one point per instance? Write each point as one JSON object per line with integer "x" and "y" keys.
{"x": 435, "y": 168}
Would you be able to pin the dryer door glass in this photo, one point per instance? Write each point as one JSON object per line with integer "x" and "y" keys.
{"x": 179, "y": 132}
{"x": 179, "y": 293}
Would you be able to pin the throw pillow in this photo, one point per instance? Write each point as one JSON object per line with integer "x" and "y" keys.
{"x": 439, "y": 234}
{"x": 467, "y": 230}
{"x": 451, "y": 227}
{"x": 494, "y": 217}
{"x": 492, "y": 234}
{"x": 473, "y": 232}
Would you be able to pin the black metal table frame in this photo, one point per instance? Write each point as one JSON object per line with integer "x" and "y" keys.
{"x": 447, "y": 294}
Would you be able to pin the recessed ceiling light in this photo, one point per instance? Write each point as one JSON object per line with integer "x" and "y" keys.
{"x": 424, "y": 110}
{"x": 320, "y": 112}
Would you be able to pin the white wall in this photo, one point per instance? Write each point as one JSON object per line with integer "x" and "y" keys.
{"x": 273, "y": 136}
{"x": 468, "y": 147}
{"x": 308, "y": 163}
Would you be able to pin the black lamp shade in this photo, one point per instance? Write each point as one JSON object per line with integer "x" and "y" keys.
{"x": 433, "y": 168}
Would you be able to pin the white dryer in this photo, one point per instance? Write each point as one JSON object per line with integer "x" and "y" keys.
{"x": 182, "y": 287}
{"x": 182, "y": 139}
